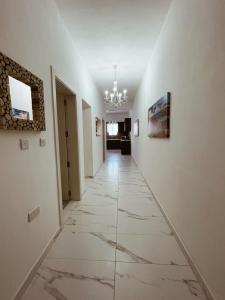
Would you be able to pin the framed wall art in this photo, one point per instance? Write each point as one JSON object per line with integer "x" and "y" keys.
{"x": 98, "y": 126}
{"x": 159, "y": 118}
{"x": 136, "y": 128}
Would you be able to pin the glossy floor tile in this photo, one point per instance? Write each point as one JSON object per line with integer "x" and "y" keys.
{"x": 91, "y": 223}
{"x": 144, "y": 207}
{"x": 115, "y": 245}
{"x": 136, "y": 224}
{"x": 71, "y": 279}
{"x": 145, "y": 282}
{"x": 78, "y": 245}
{"x": 93, "y": 210}
{"x": 152, "y": 249}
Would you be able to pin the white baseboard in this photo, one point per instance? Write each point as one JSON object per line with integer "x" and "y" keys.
{"x": 26, "y": 282}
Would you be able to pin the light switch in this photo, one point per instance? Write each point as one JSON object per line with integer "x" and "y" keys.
{"x": 24, "y": 144}
{"x": 33, "y": 214}
{"x": 42, "y": 142}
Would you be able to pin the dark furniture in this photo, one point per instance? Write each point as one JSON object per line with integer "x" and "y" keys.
{"x": 125, "y": 147}
{"x": 127, "y": 126}
{"x": 113, "y": 144}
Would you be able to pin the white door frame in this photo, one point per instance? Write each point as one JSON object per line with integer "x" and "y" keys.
{"x": 90, "y": 138}
{"x": 54, "y": 77}
{"x": 104, "y": 138}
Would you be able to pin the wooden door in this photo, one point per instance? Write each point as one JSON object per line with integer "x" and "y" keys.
{"x": 63, "y": 145}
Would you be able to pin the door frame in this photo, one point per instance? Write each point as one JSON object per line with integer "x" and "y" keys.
{"x": 104, "y": 138}
{"x": 87, "y": 106}
{"x": 55, "y": 77}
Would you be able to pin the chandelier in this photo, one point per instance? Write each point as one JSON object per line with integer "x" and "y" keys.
{"x": 115, "y": 98}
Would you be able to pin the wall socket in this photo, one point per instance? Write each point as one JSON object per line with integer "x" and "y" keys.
{"x": 33, "y": 214}
{"x": 42, "y": 142}
{"x": 24, "y": 144}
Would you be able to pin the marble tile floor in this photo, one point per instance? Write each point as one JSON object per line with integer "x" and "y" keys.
{"x": 115, "y": 245}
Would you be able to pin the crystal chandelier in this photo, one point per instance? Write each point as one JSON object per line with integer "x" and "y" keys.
{"x": 115, "y": 98}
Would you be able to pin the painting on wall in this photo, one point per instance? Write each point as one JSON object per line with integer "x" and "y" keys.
{"x": 159, "y": 118}
{"x": 136, "y": 128}
{"x": 98, "y": 126}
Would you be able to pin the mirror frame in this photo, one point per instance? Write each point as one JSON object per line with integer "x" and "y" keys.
{"x": 8, "y": 67}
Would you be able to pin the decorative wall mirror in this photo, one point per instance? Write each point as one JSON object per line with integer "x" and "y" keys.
{"x": 21, "y": 97}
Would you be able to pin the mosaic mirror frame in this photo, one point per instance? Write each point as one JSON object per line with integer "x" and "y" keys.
{"x": 8, "y": 67}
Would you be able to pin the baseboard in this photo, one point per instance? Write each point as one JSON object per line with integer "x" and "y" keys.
{"x": 94, "y": 173}
{"x": 35, "y": 267}
{"x": 98, "y": 169}
{"x": 196, "y": 271}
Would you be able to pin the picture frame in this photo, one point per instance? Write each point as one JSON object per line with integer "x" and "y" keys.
{"x": 159, "y": 118}
{"x": 98, "y": 125}
{"x": 9, "y": 119}
{"x": 136, "y": 128}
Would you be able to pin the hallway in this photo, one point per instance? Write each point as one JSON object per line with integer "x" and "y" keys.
{"x": 115, "y": 245}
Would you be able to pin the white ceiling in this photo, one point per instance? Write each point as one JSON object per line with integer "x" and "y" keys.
{"x": 109, "y": 32}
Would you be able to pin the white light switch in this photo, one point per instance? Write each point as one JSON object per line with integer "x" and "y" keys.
{"x": 33, "y": 214}
{"x": 24, "y": 144}
{"x": 42, "y": 142}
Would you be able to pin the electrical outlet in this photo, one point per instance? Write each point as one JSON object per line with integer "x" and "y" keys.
{"x": 24, "y": 144}
{"x": 42, "y": 142}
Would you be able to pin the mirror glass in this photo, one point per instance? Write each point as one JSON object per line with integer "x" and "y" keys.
{"x": 21, "y": 99}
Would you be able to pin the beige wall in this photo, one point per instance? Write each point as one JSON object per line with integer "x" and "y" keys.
{"x": 187, "y": 172}
{"x": 33, "y": 34}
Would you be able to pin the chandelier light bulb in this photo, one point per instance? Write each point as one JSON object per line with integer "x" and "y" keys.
{"x": 116, "y": 98}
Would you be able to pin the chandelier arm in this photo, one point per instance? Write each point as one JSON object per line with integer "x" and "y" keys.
{"x": 116, "y": 98}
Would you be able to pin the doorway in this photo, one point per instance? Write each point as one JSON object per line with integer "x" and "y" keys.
{"x": 87, "y": 138}
{"x": 66, "y": 144}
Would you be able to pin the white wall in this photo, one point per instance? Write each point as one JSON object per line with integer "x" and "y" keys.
{"x": 187, "y": 172}
{"x": 119, "y": 117}
{"x": 33, "y": 34}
